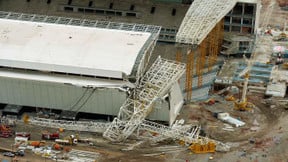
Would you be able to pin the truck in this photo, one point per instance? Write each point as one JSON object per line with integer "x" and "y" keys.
{"x": 5, "y": 131}
{"x": 50, "y": 136}
{"x": 69, "y": 140}
{"x": 23, "y": 134}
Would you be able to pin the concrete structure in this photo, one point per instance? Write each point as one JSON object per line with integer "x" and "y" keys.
{"x": 67, "y": 64}
{"x": 244, "y": 17}
{"x": 235, "y": 45}
{"x": 166, "y": 13}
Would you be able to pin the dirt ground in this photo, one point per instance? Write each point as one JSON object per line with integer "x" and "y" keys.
{"x": 268, "y": 144}
{"x": 269, "y": 140}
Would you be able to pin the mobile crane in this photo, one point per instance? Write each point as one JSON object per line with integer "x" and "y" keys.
{"x": 242, "y": 104}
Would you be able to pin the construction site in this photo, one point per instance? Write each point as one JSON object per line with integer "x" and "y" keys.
{"x": 146, "y": 80}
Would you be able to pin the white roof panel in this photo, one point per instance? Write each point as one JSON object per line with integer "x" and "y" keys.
{"x": 65, "y": 79}
{"x": 69, "y": 49}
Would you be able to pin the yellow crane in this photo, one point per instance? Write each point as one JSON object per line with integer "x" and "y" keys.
{"x": 242, "y": 104}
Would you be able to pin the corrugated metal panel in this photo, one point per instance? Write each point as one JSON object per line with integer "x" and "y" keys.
{"x": 65, "y": 97}
{"x": 160, "y": 111}
{"x": 60, "y": 96}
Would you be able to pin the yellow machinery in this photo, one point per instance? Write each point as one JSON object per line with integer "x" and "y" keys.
{"x": 285, "y": 65}
{"x": 242, "y": 103}
{"x": 72, "y": 139}
{"x": 281, "y": 37}
{"x": 203, "y": 146}
{"x": 230, "y": 98}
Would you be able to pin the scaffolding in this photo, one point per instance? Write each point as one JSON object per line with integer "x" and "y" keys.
{"x": 215, "y": 39}
{"x": 189, "y": 73}
{"x": 201, "y": 61}
{"x": 153, "y": 85}
{"x": 202, "y": 27}
{"x": 201, "y": 18}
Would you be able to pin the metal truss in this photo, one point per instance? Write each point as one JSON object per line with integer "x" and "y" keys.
{"x": 97, "y": 127}
{"x": 81, "y": 22}
{"x": 201, "y": 18}
{"x": 153, "y": 85}
{"x": 158, "y": 132}
{"x": 146, "y": 130}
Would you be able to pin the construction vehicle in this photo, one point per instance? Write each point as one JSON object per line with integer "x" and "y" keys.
{"x": 57, "y": 146}
{"x": 21, "y": 141}
{"x": 203, "y": 145}
{"x": 281, "y": 37}
{"x": 230, "y": 98}
{"x": 23, "y": 134}
{"x": 50, "y": 136}
{"x": 242, "y": 104}
{"x": 5, "y": 131}
{"x": 69, "y": 140}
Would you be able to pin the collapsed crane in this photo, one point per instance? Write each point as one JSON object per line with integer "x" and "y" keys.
{"x": 153, "y": 85}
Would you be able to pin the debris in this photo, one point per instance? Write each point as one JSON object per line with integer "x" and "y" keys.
{"x": 255, "y": 128}
{"x": 228, "y": 127}
{"x": 243, "y": 153}
{"x": 211, "y": 157}
{"x": 227, "y": 118}
{"x": 132, "y": 146}
{"x": 230, "y": 98}
{"x": 210, "y": 101}
{"x": 272, "y": 106}
{"x": 252, "y": 140}
{"x": 276, "y": 140}
{"x": 221, "y": 147}
{"x": 255, "y": 123}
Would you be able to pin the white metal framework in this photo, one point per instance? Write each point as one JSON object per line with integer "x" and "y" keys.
{"x": 153, "y": 85}
{"x": 147, "y": 129}
{"x": 158, "y": 132}
{"x": 81, "y": 22}
{"x": 201, "y": 18}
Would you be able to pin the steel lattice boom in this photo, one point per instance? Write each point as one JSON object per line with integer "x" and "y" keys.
{"x": 154, "y": 84}
{"x": 201, "y": 18}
